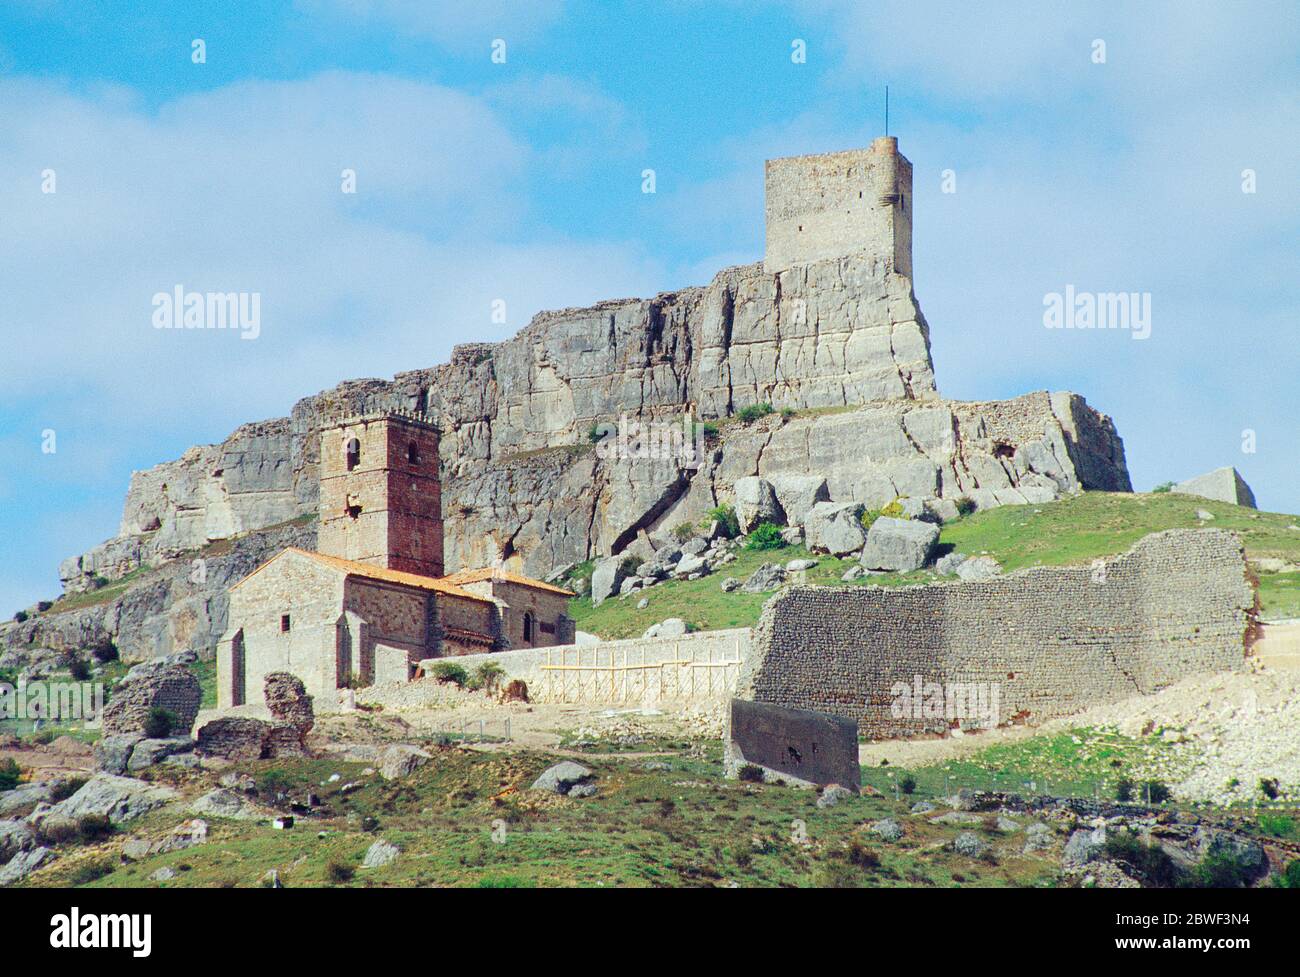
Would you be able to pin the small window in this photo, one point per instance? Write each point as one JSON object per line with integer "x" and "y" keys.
{"x": 354, "y": 511}
{"x": 528, "y": 627}
{"x": 284, "y": 622}
{"x": 413, "y": 453}
{"x": 353, "y": 452}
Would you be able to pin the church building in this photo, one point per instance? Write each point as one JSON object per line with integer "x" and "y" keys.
{"x": 372, "y": 601}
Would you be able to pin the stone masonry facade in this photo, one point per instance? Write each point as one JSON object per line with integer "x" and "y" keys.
{"x": 1053, "y": 640}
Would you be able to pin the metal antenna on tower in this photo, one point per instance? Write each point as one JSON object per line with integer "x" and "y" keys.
{"x": 886, "y": 110}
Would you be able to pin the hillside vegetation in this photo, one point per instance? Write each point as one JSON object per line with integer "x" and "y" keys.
{"x": 1073, "y": 530}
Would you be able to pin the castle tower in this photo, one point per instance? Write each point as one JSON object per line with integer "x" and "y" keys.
{"x": 837, "y": 204}
{"x": 380, "y": 492}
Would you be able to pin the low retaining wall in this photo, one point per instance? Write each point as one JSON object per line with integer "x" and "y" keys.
{"x": 1030, "y": 645}
{"x": 700, "y": 665}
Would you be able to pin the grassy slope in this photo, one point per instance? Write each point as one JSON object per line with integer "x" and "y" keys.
{"x": 681, "y": 827}
{"x": 1072, "y": 530}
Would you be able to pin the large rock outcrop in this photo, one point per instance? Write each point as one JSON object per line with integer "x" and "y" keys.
{"x": 841, "y": 343}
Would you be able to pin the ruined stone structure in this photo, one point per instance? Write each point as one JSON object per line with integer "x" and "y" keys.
{"x": 1052, "y": 640}
{"x": 171, "y": 687}
{"x": 793, "y": 746}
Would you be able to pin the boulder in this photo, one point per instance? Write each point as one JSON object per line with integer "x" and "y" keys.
{"x": 888, "y": 829}
{"x": 756, "y": 502}
{"x": 1038, "y": 837}
{"x": 694, "y": 546}
{"x": 835, "y": 528}
{"x": 171, "y": 687}
{"x": 223, "y": 803}
{"x": 379, "y": 854}
{"x": 1222, "y": 485}
{"x": 401, "y": 760}
{"x": 796, "y": 494}
{"x": 119, "y": 799}
{"x": 979, "y": 568}
{"x": 690, "y": 564}
{"x": 792, "y": 536}
{"x": 797, "y": 566}
{"x": 949, "y": 562}
{"x": 899, "y": 544}
{"x": 582, "y": 790}
{"x": 15, "y": 837}
{"x": 113, "y": 753}
{"x": 23, "y": 798}
{"x": 146, "y": 753}
{"x": 24, "y": 864}
{"x": 560, "y": 778}
{"x": 832, "y": 794}
{"x": 922, "y": 807}
{"x": 184, "y": 835}
{"x": 605, "y": 579}
{"x": 767, "y": 577}
{"x": 971, "y": 845}
{"x": 730, "y": 584}
{"x": 1084, "y": 845}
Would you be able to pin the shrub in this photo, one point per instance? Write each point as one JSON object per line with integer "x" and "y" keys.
{"x": 753, "y": 412}
{"x": 20, "y": 616}
{"x": 1277, "y": 825}
{"x": 1269, "y": 788}
{"x": 339, "y": 872}
{"x": 9, "y": 774}
{"x": 273, "y": 782}
{"x": 1164, "y": 487}
{"x": 751, "y": 774}
{"x": 159, "y": 723}
{"x": 104, "y": 651}
{"x": 1221, "y": 870}
{"x": 90, "y": 871}
{"x": 57, "y": 831}
{"x": 64, "y": 789}
{"x": 44, "y": 605}
{"x": 965, "y": 505}
{"x": 787, "y": 413}
{"x": 1290, "y": 878}
{"x": 1124, "y": 790}
{"x": 765, "y": 536}
{"x": 94, "y": 827}
{"x": 450, "y": 672}
{"x": 629, "y": 565}
{"x": 725, "y": 516}
{"x": 594, "y": 434}
{"x": 1150, "y": 863}
{"x": 709, "y": 429}
{"x": 1155, "y": 792}
{"x": 683, "y": 532}
{"x": 78, "y": 669}
{"x": 487, "y": 677}
{"x": 907, "y": 783}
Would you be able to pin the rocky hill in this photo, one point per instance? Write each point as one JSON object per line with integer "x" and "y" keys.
{"x": 838, "y": 348}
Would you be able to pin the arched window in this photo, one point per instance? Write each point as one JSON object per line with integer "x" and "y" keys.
{"x": 413, "y": 453}
{"x": 528, "y": 626}
{"x": 352, "y": 449}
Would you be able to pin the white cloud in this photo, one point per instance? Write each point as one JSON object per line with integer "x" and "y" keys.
{"x": 452, "y": 24}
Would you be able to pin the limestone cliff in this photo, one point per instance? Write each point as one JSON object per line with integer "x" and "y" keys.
{"x": 841, "y": 343}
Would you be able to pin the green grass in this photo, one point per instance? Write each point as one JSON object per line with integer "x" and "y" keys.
{"x": 1074, "y": 530}
{"x": 206, "y": 673}
{"x": 462, "y": 821}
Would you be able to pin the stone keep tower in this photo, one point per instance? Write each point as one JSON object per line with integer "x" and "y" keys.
{"x": 380, "y": 493}
{"x": 837, "y": 204}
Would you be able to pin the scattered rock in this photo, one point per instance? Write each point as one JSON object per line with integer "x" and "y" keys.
{"x": 146, "y": 753}
{"x": 1038, "y": 837}
{"x": 767, "y": 577}
{"x": 756, "y": 502}
{"x": 643, "y": 603}
{"x": 979, "y": 568}
{"x": 835, "y": 528}
{"x": 379, "y": 854}
{"x": 15, "y": 837}
{"x": 560, "y": 778}
{"x": 1007, "y": 825}
{"x": 899, "y": 544}
{"x": 922, "y": 807}
{"x": 795, "y": 566}
{"x": 401, "y": 760}
{"x": 24, "y": 864}
{"x": 971, "y": 845}
{"x": 949, "y": 563}
{"x": 223, "y": 803}
{"x": 164, "y": 874}
{"x": 582, "y": 790}
{"x": 730, "y": 584}
{"x": 888, "y": 829}
{"x": 1084, "y": 845}
{"x": 833, "y": 794}
{"x": 23, "y": 798}
{"x": 796, "y": 494}
{"x": 119, "y": 799}
{"x": 606, "y": 577}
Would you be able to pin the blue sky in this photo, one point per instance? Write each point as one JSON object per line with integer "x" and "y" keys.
{"x": 522, "y": 181}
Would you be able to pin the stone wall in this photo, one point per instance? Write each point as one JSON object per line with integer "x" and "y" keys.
{"x": 1048, "y": 640}
{"x": 526, "y": 663}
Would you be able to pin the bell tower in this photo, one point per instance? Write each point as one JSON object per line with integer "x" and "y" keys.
{"x": 380, "y": 492}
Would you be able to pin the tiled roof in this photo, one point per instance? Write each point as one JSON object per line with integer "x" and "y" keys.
{"x": 488, "y": 573}
{"x": 354, "y": 568}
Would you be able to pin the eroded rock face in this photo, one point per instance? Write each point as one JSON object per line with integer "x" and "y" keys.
{"x": 521, "y": 479}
